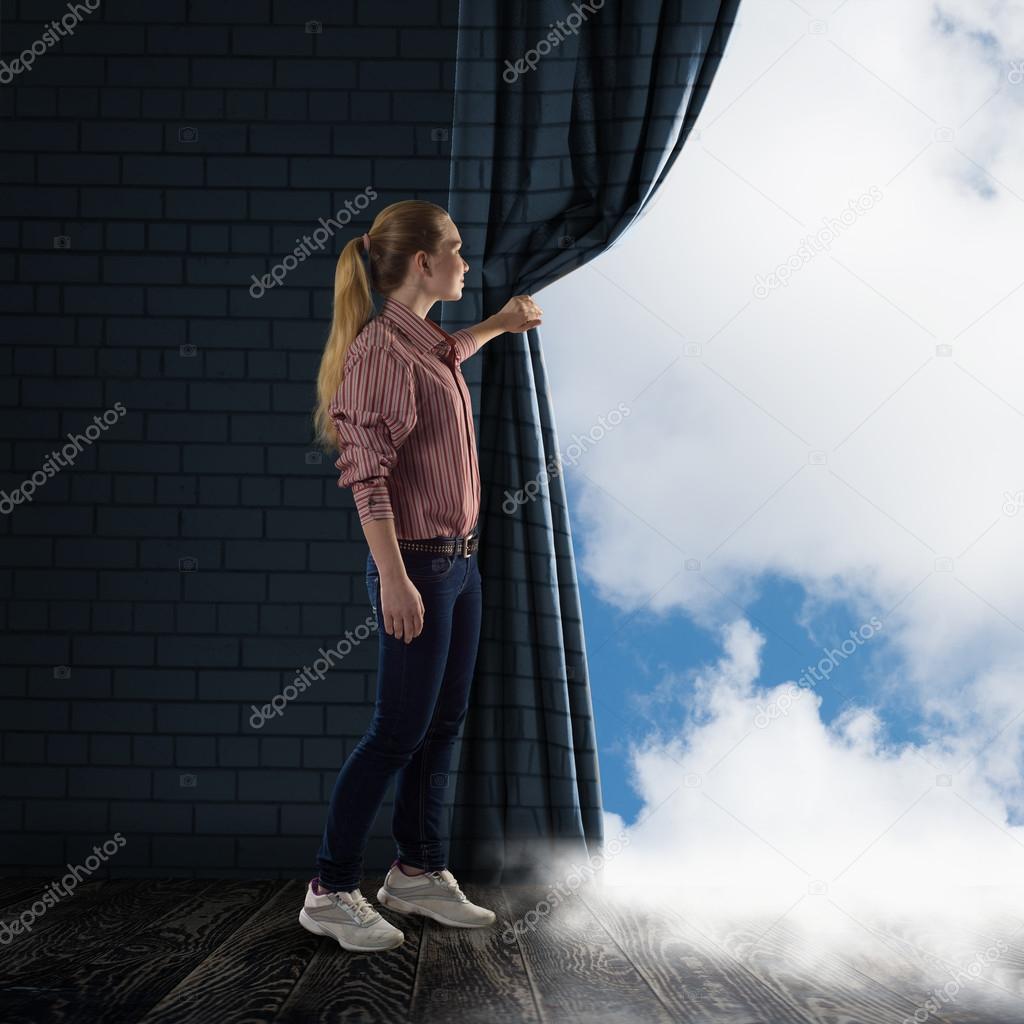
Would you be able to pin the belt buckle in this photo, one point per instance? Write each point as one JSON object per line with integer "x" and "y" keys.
{"x": 462, "y": 545}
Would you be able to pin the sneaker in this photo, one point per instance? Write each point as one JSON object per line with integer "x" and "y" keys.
{"x": 434, "y": 894}
{"x": 348, "y": 918}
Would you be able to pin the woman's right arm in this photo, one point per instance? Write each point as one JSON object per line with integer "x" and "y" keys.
{"x": 400, "y": 601}
{"x": 374, "y": 412}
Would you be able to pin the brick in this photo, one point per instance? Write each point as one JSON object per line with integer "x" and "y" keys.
{"x": 356, "y": 42}
{"x": 79, "y": 169}
{"x": 277, "y": 785}
{"x": 210, "y": 784}
{"x": 120, "y": 102}
{"x": 187, "y": 39}
{"x": 38, "y": 201}
{"x": 142, "y": 269}
{"x": 148, "y": 70}
{"x": 276, "y": 42}
{"x": 125, "y": 236}
{"x": 230, "y": 522}
{"x": 131, "y": 817}
{"x": 195, "y": 751}
{"x": 39, "y": 136}
{"x": 197, "y": 651}
{"x": 168, "y": 169}
{"x": 66, "y": 816}
{"x": 122, "y": 202}
{"x": 186, "y": 301}
{"x": 121, "y": 136}
{"x": 111, "y": 716}
{"x": 193, "y": 851}
{"x": 110, "y": 783}
{"x": 112, "y": 650}
{"x": 248, "y": 172}
{"x": 42, "y": 781}
{"x": 206, "y": 204}
{"x": 154, "y": 684}
{"x": 236, "y": 819}
{"x": 173, "y": 11}
{"x": 224, "y": 586}
{"x": 290, "y": 139}
{"x": 254, "y": 72}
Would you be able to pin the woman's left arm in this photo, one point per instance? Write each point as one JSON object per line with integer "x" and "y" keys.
{"x": 519, "y": 314}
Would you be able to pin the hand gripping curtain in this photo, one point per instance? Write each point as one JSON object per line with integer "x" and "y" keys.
{"x": 567, "y": 119}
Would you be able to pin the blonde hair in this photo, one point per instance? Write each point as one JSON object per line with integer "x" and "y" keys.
{"x": 397, "y": 233}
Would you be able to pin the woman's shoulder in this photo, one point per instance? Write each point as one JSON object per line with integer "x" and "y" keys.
{"x": 380, "y": 337}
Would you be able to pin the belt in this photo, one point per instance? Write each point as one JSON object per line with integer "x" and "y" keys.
{"x": 463, "y": 546}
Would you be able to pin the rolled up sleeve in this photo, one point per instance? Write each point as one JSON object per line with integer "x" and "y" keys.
{"x": 374, "y": 412}
{"x": 466, "y": 344}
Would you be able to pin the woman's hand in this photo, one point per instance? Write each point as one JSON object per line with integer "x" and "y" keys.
{"x": 519, "y": 314}
{"x": 402, "y": 607}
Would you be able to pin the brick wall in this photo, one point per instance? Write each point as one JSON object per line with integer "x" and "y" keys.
{"x": 195, "y": 554}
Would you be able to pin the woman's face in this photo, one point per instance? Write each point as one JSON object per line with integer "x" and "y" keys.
{"x": 448, "y": 267}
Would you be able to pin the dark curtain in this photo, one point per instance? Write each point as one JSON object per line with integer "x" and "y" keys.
{"x": 567, "y": 119}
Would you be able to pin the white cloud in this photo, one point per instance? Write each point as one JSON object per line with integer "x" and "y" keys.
{"x": 755, "y": 788}
{"x": 906, "y": 519}
{"x": 715, "y": 460}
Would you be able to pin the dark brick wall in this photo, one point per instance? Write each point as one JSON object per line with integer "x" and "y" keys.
{"x": 194, "y": 556}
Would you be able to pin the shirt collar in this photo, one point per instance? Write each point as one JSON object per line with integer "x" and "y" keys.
{"x": 421, "y": 331}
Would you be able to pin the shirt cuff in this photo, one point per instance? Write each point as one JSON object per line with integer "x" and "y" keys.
{"x": 372, "y": 500}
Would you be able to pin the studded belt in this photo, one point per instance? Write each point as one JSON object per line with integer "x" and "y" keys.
{"x": 462, "y": 546}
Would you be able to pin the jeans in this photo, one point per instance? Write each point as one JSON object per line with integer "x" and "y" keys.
{"x": 422, "y": 699}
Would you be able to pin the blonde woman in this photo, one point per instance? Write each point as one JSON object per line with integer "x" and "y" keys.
{"x": 393, "y": 402}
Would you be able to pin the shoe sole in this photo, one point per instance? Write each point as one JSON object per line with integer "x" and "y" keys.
{"x": 401, "y": 906}
{"x": 311, "y": 926}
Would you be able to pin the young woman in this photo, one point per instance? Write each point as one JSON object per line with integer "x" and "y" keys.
{"x": 394, "y": 403}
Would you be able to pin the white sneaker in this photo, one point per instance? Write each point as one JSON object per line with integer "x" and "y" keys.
{"x": 433, "y": 894}
{"x": 348, "y": 918}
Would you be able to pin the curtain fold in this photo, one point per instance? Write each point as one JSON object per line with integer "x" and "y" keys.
{"x": 567, "y": 120}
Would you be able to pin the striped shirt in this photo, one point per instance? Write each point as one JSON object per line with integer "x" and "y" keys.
{"x": 406, "y": 443}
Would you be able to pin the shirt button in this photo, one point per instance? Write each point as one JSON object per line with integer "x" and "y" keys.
{"x": 342, "y": 416}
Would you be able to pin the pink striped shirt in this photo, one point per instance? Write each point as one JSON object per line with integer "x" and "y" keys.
{"x": 406, "y": 443}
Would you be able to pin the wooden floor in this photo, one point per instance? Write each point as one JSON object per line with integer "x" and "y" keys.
{"x": 232, "y": 951}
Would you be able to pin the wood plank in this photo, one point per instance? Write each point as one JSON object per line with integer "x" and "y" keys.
{"x": 251, "y": 974}
{"x": 14, "y": 889}
{"x": 122, "y": 982}
{"x": 806, "y": 973}
{"x": 81, "y": 926}
{"x": 577, "y": 971}
{"x": 945, "y": 949}
{"x": 473, "y": 975}
{"x": 698, "y": 981}
{"x": 341, "y": 985}
{"x": 902, "y": 968}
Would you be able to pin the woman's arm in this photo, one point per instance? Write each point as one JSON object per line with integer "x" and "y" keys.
{"x": 519, "y": 314}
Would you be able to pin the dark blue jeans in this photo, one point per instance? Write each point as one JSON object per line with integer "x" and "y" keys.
{"x": 422, "y": 698}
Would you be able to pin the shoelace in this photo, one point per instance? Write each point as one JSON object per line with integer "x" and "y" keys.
{"x": 356, "y": 904}
{"x": 452, "y": 887}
